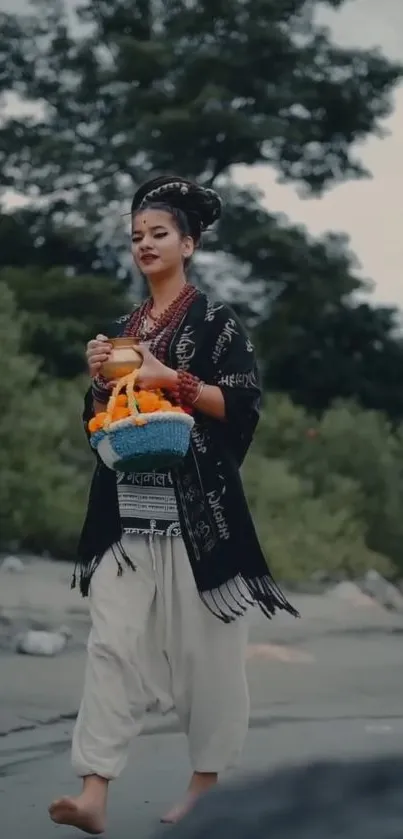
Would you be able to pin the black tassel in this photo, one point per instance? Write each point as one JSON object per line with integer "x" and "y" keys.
{"x": 73, "y": 583}
{"x": 120, "y": 553}
{"x": 226, "y": 618}
{"x": 85, "y": 581}
{"x": 240, "y": 609}
{"x": 87, "y": 569}
{"x": 275, "y": 592}
{"x": 219, "y": 615}
{"x": 258, "y": 592}
{"x": 242, "y": 594}
{"x": 269, "y": 597}
{"x": 89, "y": 566}
{"x": 126, "y": 557}
{"x": 118, "y": 562}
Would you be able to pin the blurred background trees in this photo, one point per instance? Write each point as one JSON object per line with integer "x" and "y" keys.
{"x": 122, "y": 90}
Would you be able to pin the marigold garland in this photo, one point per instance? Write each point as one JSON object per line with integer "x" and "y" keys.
{"x": 145, "y": 402}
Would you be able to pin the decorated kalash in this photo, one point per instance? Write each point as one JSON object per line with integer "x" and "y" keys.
{"x": 140, "y": 430}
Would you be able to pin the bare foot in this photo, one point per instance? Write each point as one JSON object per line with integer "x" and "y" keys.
{"x": 177, "y": 813}
{"x": 201, "y": 782}
{"x": 77, "y": 812}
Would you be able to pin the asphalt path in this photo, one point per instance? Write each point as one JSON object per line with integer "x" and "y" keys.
{"x": 330, "y": 684}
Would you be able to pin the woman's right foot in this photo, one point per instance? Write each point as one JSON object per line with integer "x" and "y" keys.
{"x": 200, "y": 783}
{"x": 79, "y": 812}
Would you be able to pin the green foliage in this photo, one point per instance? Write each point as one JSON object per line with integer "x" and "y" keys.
{"x": 37, "y": 236}
{"x": 200, "y": 85}
{"x": 351, "y": 459}
{"x": 196, "y": 88}
{"x": 64, "y": 311}
{"x": 303, "y": 535}
{"x": 44, "y": 480}
{"x": 147, "y": 86}
{"x": 326, "y": 495}
{"x": 318, "y": 347}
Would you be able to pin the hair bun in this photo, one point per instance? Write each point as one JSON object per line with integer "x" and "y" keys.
{"x": 183, "y": 195}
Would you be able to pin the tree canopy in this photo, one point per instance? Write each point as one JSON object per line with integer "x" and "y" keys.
{"x": 123, "y": 89}
{"x": 199, "y": 86}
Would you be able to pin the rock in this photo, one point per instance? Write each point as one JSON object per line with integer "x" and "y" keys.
{"x": 4, "y": 619}
{"x": 320, "y": 577}
{"x": 382, "y": 591}
{"x": 350, "y": 592}
{"x": 66, "y": 631}
{"x": 13, "y": 564}
{"x": 43, "y": 643}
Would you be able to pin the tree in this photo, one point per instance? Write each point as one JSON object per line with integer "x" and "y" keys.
{"x": 38, "y": 237}
{"x": 351, "y": 460}
{"x": 303, "y": 535}
{"x": 147, "y": 86}
{"x": 318, "y": 350}
{"x": 64, "y": 310}
{"x": 44, "y": 473}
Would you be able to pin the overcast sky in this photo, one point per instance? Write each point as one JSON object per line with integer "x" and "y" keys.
{"x": 369, "y": 211}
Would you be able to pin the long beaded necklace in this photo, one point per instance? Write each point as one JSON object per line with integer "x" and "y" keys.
{"x": 159, "y": 336}
{"x": 164, "y": 325}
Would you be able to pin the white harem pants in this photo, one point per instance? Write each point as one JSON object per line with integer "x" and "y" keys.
{"x": 154, "y": 641}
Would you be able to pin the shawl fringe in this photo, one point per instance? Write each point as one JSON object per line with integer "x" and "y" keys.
{"x": 87, "y": 569}
{"x": 261, "y": 592}
{"x": 227, "y": 602}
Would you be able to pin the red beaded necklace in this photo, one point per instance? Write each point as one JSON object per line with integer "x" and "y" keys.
{"x": 167, "y": 322}
{"x": 189, "y": 387}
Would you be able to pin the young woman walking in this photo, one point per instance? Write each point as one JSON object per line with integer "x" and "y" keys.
{"x": 170, "y": 560}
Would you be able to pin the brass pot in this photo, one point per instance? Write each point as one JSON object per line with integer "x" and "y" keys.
{"x": 123, "y": 359}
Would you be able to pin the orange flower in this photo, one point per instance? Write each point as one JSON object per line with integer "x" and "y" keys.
{"x": 93, "y": 424}
{"x": 96, "y": 423}
{"x": 141, "y": 394}
{"x": 120, "y": 413}
{"x": 165, "y": 405}
{"x": 147, "y": 401}
{"x": 121, "y": 400}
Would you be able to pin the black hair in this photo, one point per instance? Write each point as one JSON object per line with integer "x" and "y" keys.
{"x": 187, "y": 225}
{"x": 194, "y": 208}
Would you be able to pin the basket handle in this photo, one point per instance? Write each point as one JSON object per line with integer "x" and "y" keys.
{"x": 125, "y": 382}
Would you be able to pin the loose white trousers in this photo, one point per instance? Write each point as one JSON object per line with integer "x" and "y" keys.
{"x": 154, "y": 642}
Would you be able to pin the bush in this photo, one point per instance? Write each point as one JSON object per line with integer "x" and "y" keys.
{"x": 44, "y": 474}
{"x": 303, "y": 535}
{"x": 326, "y": 493}
{"x": 352, "y": 460}
{"x": 64, "y": 310}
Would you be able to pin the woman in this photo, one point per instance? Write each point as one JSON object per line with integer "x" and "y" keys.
{"x": 171, "y": 560}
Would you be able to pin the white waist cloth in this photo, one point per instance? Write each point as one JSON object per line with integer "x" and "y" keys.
{"x": 147, "y": 504}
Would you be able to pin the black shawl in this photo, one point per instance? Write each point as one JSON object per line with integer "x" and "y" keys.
{"x": 229, "y": 567}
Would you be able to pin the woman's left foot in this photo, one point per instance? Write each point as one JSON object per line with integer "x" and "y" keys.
{"x": 201, "y": 782}
{"x": 77, "y": 812}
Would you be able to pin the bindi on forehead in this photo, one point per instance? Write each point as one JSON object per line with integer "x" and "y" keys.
{"x": 151, "y": 224}
{"x": 152, "y": 220}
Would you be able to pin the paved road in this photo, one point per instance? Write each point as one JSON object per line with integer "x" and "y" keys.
{"x": 330, "y": 684}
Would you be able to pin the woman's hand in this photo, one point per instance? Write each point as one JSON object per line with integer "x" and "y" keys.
{"x": 153, "y": 374}
{"x": 98, "y": 350}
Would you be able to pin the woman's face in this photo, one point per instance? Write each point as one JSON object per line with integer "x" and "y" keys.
{"x": 157, "y": 245}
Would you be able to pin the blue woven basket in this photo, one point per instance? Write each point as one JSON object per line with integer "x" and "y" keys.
{"x": 159, "y": 444}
